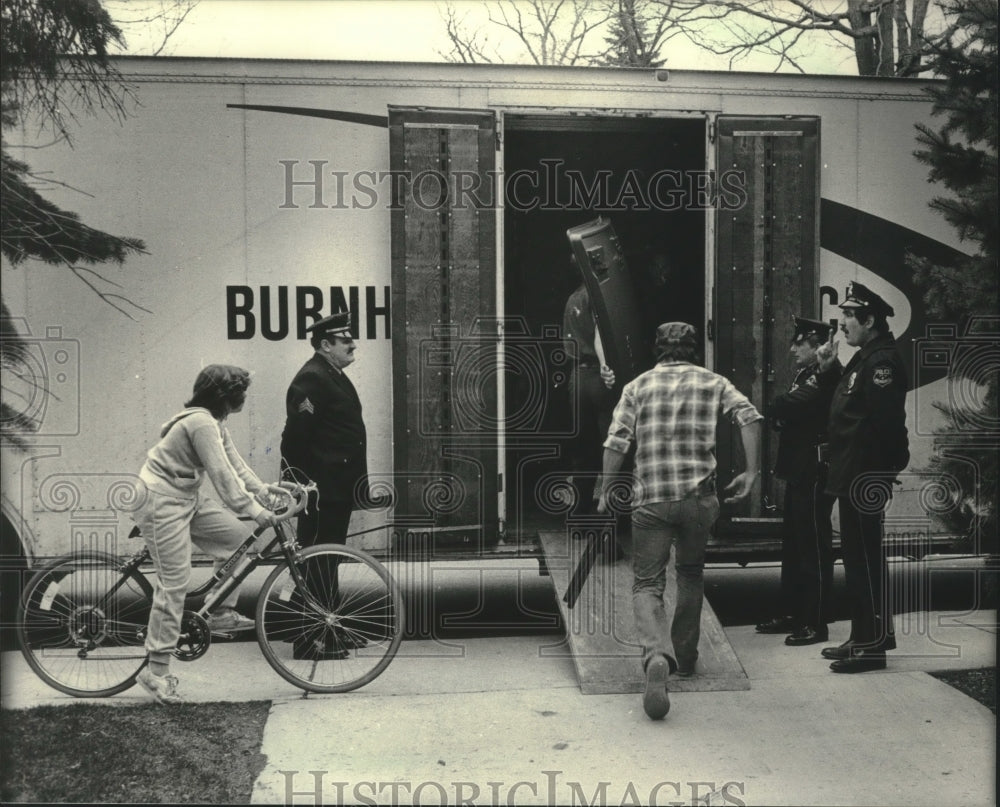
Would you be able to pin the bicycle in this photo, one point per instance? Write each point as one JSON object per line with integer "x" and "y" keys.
{"x": 82, "y": 619}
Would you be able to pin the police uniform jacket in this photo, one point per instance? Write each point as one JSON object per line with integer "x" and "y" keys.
{"x": 324, "y": 434}
{"x": 800, "y": 416}
{"x": 867, "y": 427}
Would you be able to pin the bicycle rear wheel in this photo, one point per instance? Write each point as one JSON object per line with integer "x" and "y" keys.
{"x": 81, "y": 624}
{"x": 341, "y": 631}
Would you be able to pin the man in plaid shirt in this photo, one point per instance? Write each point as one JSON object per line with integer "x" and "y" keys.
{"x": 671, "y": 412}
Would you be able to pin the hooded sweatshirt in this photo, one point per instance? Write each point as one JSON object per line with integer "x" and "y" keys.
{"x": 193, "y": 443}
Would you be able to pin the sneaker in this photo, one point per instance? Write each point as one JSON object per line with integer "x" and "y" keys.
{"x": 161, "y": 687}
{"x": 228, "y": 620}
{"x": 655, "y": 700}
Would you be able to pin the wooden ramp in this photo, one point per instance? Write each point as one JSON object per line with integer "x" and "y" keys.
{"x": 601, "y": 631}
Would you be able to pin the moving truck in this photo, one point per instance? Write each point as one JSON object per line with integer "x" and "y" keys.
{"x": 433, "y": 201}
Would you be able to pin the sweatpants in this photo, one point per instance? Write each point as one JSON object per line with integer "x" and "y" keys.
{"x": 170, "y": 524}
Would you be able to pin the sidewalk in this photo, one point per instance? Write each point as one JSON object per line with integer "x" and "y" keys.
{"x": 502, "y": 720}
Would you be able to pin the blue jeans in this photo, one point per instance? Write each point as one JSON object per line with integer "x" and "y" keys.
{"x": 656, "y": 528}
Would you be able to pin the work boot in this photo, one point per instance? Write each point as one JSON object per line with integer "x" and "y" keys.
{"x": 656, "y": 700}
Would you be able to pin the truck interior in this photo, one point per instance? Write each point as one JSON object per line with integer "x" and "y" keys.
{"x": 662, "y": 236}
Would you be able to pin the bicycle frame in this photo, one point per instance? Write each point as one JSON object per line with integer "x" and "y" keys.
{"x": 82, "y": 620}
{"x": 232, "y": 573}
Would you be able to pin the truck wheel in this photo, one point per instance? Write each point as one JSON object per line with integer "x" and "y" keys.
{"x": 13, "y": 574}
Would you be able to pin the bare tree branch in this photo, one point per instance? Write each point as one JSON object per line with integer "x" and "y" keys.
{"x": 884, "y": 35}
{"x": 465, "y": 45}
{"x": 548, "y": 31}
{"x": 153, "y": 20}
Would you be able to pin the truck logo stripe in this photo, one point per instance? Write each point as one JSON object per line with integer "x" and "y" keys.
{"x": 881, "y": 246}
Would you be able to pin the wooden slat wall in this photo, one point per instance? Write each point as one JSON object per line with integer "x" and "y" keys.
{"x": 444, "y": 352}
{"x": 766, "y": 272}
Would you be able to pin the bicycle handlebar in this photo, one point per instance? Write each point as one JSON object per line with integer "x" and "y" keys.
{"x": 298, "y": 498}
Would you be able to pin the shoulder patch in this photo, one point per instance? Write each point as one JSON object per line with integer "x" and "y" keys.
{"x": 811, "y": 381}
{"x": 306, "y": 406}
{"x": 882, "y": 375}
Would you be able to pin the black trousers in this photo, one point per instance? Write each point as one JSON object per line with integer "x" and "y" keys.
{"x": 807, "y": 551}
{"x": 867, "y": 576}
{"x": 324, "y": 522}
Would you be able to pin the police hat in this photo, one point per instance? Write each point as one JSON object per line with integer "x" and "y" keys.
{"x": 861, "y": 297}
{"x": 810, "y": 327}
{"x": 338, "y": 324}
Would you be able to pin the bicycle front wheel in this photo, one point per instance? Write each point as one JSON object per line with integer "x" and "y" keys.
{"x": 336, "y": 625}
{"x": 81, "y": 624}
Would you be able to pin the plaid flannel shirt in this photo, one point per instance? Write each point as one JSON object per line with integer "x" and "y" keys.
{"x": 671, "y": 412}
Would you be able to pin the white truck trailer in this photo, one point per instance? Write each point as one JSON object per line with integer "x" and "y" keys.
{"x": 433, "y": 200}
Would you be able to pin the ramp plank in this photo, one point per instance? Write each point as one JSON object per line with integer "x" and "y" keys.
{"x": 600, "y": 628}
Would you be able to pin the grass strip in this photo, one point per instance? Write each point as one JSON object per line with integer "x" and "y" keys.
{"x": 980, "y": 684}
{"x": 84, "y": 753}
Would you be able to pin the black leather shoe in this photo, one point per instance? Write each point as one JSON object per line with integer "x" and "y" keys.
{"x": 805, "y": 636}
{"x": 780, "y": 624}
{"x": 838, "y": 652}
{"x": 843, "y": 650}
{"x": 860, "y": 661}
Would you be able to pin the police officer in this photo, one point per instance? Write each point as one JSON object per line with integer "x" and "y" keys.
{"x": 325, "y": 441}
{"x": 868, "y": 447}
{"x": 324, "y": 438}
{"x": 800, "y": 417}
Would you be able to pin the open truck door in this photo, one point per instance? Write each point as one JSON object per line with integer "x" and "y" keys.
{"x": 444, "y": 329}
{"x": 767, "y": 270}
